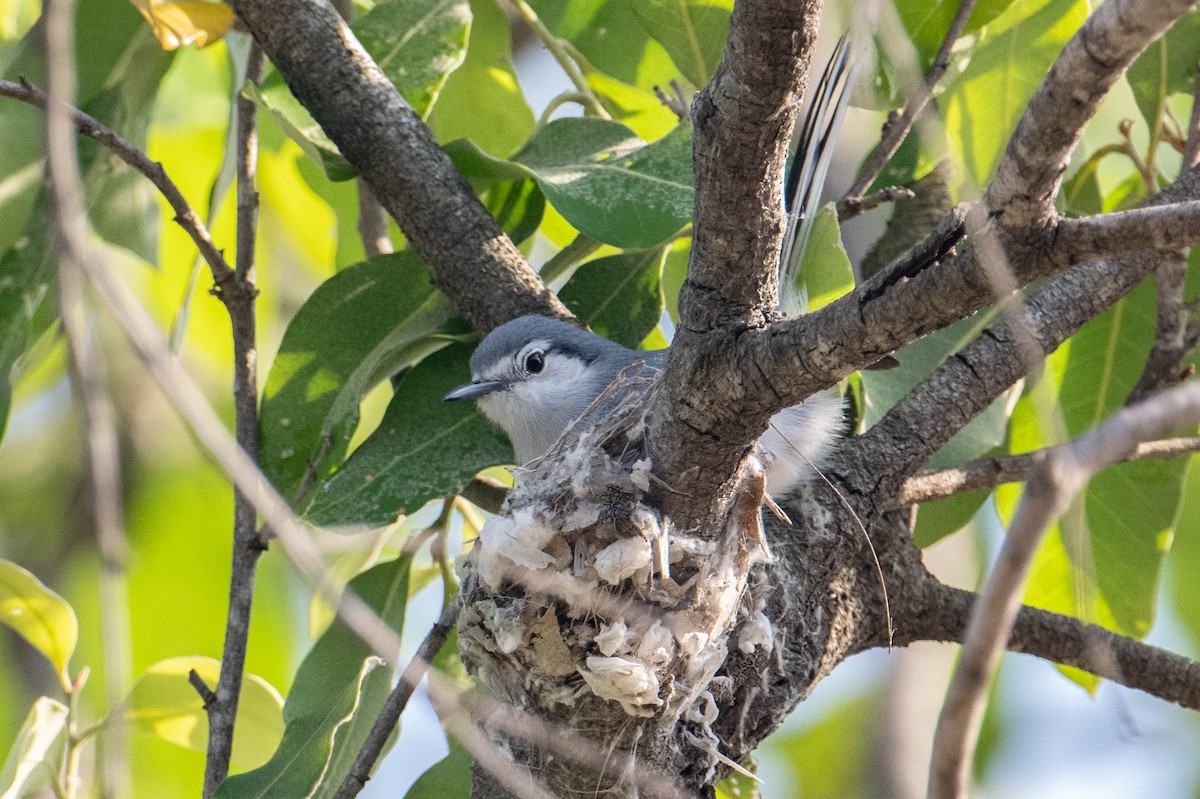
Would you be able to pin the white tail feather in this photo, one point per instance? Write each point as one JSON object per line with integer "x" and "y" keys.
{"x": 810, "y": 166}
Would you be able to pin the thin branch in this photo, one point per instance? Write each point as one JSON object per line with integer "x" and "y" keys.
{"x": 88, "y": 126}
{"x": 1159, "y": 227}
{"x": 1026, "y": 183}
{"x": 467, "y": 254}
{"x": 992, "y": 472}
{"x": 1052, "y": 485}
{"x": 104, "y": 472}
{"x": 1172, "y": 335}
{"x": 850, "y": 207}
{"x": 206, "y": 694}
{"x": 103, "y": 452}
{"x": 389, "y": 715}
{"x": 969, "y": 381}
{"x": 587, "y": 97}
{"x": 896, "y": 130}
{"x": 239, "y": 296}
{"x": 941, "y": 614}
{"x": 1191, "y": 150}
{"x": 372, "y": 223}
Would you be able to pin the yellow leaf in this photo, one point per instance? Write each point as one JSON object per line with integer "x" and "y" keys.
{"x": 40, "y": 616}
{"x": 181, "y": 22}
{"x": 164, "y": 703}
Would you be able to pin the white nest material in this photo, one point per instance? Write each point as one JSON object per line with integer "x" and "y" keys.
{"x": 622, "y": 559}
{"x": 611, "y": 637}
{"x": 581, "y": 591}
{"x": 631, "y": 683}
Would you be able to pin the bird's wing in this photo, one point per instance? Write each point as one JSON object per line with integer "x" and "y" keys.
{"x": 810, "y": 165}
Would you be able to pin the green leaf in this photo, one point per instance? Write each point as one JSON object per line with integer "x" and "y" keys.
{"x": 422, "y": 450}
{"x": 983, "y": 105}
{"x": 164, "y": 703}
{"x": 481, "y": 168}
{"x": 843, "y": 736}
{"x": 40, "y": 616}
{"x": 1167, "y": 67}
{"x": 620, "y": 296}
{"x": 945, "y": 516}
{"x": 482, "y": 100}
{"x": 274, "y": 97}
{"x": 1129, "y": 509}
{"x": 28, "y": 301}
{"x": 883, "y": 389}
{"x": 639, "y": 110}
{"x": 928, "y": 22}
{"x": 1184, "y": 560}
{"x": 356, "y": 329}
{"x": 119, "y": 73}
{"x": 417, "y": 44}
{"x": 36, "y": 755}
{"x": 826, "y": 272}
{"x": 610, "y": 184}
{"x": 693, "y": 32}
{"x": 334, "y": 700}
{"x": 612, "y": 39}
{"x": 518, "y": 206}
{"x": 449, "y": 778}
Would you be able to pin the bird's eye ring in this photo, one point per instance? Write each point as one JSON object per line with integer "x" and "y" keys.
{"x": 535, "y": 362}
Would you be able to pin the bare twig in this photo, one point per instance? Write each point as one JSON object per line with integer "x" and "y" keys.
{"x": 372, "y": 223}
{"x": 102, "y": 443}
{"x": 239, "y": 295}
{"x": 992, "y": 472}
{"x": 88, "y": 126}
{"x": 206, "y": 694}
{"x": 364, "y": 764}
{"x": 1054, "y": 482}
{"x": 1164, "y": 366}
{"x": 1028, "y": 176}
{"x": 895, "y": 131}
{"x": 860, "y": 205}
{"x": 1191, "y": 150}
{"x": 104, "y": 472}
{"x": 587, "y": 97}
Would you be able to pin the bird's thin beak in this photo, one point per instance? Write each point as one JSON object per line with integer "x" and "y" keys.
{"x": 475, "y": 389}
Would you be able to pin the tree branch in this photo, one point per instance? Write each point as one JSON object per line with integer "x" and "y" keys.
{"x": 239, "y": 295}
{"x": 1027, "y": 179}
{"x": 389, "y": 715}
{"x": 1191, "y": 148}
{"x": 1056, "y": 479}
{"x": 91, "y": 127}
{"x": 1174, "y": 336}
{"x": 992, "y": 472}
{"x": 942, "y": 613}
{"x": 971, "y": 379}
{"x": 468, "y": 256}
{"x": 103, "y": 452}
{"x": 740, "y": 150}
{"x": 1158, "y": 227}
{"x": 896, "y": 130}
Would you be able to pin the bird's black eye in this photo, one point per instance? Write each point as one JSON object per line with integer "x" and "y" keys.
{"x": 535, "y": 362}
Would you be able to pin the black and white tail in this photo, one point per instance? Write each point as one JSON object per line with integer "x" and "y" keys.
{"x": 810, "y": 165}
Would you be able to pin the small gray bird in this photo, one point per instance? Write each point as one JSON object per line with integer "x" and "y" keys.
{"x": 535, "y": 375}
